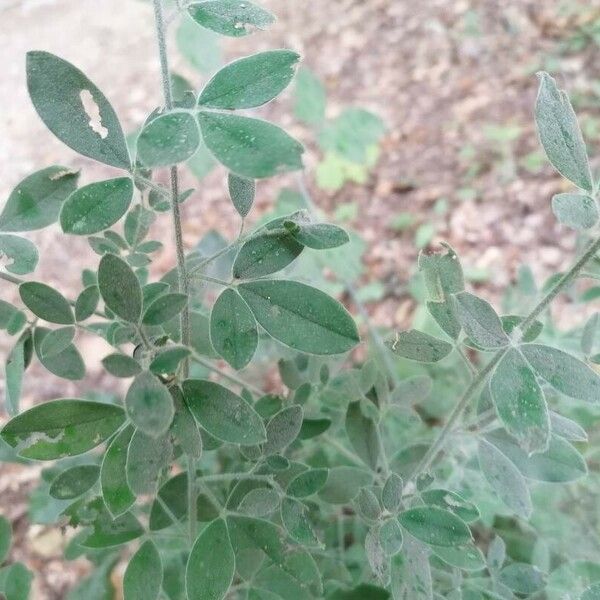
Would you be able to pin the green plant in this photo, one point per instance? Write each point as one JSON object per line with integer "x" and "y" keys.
{"x": 333, "y": 488}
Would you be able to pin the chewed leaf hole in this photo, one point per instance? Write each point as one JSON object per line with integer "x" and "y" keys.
{"x": 93, "y": 112}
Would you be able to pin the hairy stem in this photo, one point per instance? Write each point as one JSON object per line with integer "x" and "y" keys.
{"x": 481, "y": 376}
{"x": 177, "y": 229}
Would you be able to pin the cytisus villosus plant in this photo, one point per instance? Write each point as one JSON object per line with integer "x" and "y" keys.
{"x": 333, "y": 489}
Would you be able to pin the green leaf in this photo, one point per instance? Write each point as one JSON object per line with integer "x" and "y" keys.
{"x": 467, "y": 558}
{"x": 248, "y": 533}
{"x": 591, "y": 593}
{"x": 87, "y": 303}
{"x": 363, "y": 434}
{"x": 46, "y": 303}
{"x": 520, "y": 402}
{"x": 480, "y": 322}
{"x": 121, "y": 365}
{"x": 5, "y": 538}
{"x": 22, "y": 254}
{"x": 14, "y": 369}
{"x": 144, "y": 574}
{"x": 300, "y": 316}
{"x": 391, "y": 494}
{"x": 419, "y": 346}
{"x": 120, "y": 288}
{"x": 560, "y": 463}
{"x": 283, "y": 429}
{"x": 265, "y": 253}
{"x": 149, "y": 405}
{"x": 435, "y": 526}
{"x": 505, "y": 479}
{"x": 510, "y": 322}
{"x": 223, "y": 414}
{"x": 16, "y": 581}
{"x": 137, "y": 224}
{"x": 146, "y": 458}
{"x": 168, "y": 360}
{"x": 560, "y": 134}
{"x": 242, "y": 192}
{"x": 522, "y": 578}
{"x": 11, "y": 318}
{"x": 234, "y": 18}
{"x": 97, "y": 206}
{"x": 211, "y": 564}
{"x": 168, "y": 139}
{"x": 443, "y": 274}
{"x": 56, "y": 341}
{"x": 35, "y": 203}
{"x": 184, "y": 428}
{"x": 259, "y": 502}
{"x": 251, "y": 81}
{"x": 343, "y": 484}
{"x": 294, "y": 517}
{"x": 116, "y": 492}
{"x": 364, "y": 591}
{"x": 390, "y": 537}
{"x": 567, "y": 429}
{"x": 164, "y": 308}
{"x": 310, "y": 98}
{"x": 74, "y": 482}
{"x": 233, "y": 331}
{"x": 319, "y": 236}
{"x": 307, "y": 483}
{"x": 311, "y": 428}
{"x": 75, "y": 110}
{"x": 367, "y": 504}
{"x": 62, "y": 428}
{"x": 577, "y": 211}
{"x": 108, "y": 532}
{"x": 250, "y": 147}
{"x": 453, "y": 502}
{"x": 563, "y": 372}
{"x": 66, "y": 364}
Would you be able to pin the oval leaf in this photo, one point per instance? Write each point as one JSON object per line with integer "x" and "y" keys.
{"x": 164, "y": 308}
{"x": 250, "y": 147}
{"x": 419, "y": 346}
{"x": 301, "y": 316}
{"x": 144, "y": 574}
{"x": 22, "y": 254}
{"x": 46, "y": 303}
{"x": 74, "y": 482}
{"x": 577, "y": 211}
{"x": 520, "y": 402}
{"x": 234, "y": 18}
{"x": 223, "y": 414}
{"x": 242, "y": 191}
{"x": 480, "y": 322}
{"x": 120, "y": 288}
{"x": 211, "y": 564}
{"x": 435, "y": 526}
{"x": 251, "y": 81}
{"x": 560, "y": 134}
{"x": 149, "y": 405}
{"x": 233, "y": 331}
{"x": 563, "y": 372}
{"x": 266, "y": 253}
{"x": 116, "y": 492}
{"x": 97, "y": 206}
{"x": 168, "y": 139}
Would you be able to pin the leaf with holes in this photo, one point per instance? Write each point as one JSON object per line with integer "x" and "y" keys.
{"x": 22, "y": 254}
{"x": 62, "y": 428}
{"x": 36, "y": 201}
{"x": 75, "y": 110}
